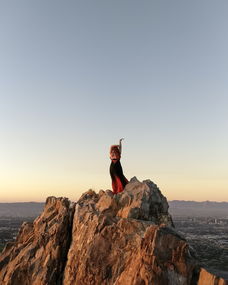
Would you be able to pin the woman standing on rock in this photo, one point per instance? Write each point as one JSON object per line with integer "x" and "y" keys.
{"x": 119, "y": 181}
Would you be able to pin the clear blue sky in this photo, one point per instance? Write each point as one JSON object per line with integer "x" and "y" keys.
{"x": 75, "y": 76}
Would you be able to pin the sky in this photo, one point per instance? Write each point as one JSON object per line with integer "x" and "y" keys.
{"x": 76, "y": 76}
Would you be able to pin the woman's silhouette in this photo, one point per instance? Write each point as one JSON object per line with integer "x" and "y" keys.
{"x": 119, "y": 181}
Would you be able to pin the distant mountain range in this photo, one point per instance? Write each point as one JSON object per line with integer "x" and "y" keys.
{"x": 24, "y": 209}
{"x": 198, "y": 209}
{"x": 176, "y": 208}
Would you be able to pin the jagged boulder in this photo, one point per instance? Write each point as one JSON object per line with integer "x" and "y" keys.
{"x": 123, "y": 239}
{"x": 126, "y": 251}
{"x": 143, "y": 201}
{"x": 139, "y": 200}
{"x": 38, "y": 255}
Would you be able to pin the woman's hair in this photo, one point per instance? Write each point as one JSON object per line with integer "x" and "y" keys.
{"x": 115, "y": 152}
{"x": 115, "y": 148}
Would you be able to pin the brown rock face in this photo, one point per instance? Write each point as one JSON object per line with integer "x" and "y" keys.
{"x": 38, "y": 255}
{"x": 126, "y": 239}
{"x": 143, "y": 201}
{"x": 206, "y": 278}
{"x": 116, "y": 241}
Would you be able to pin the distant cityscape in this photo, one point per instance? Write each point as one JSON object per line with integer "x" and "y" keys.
{"x": 208, "y": 240}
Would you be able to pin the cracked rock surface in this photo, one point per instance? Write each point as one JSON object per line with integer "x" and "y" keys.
{"x": 128, "y": 238}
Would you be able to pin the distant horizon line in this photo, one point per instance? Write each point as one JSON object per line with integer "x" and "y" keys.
{"x": 43, "y": 202}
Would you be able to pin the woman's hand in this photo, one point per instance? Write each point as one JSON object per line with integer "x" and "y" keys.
{"x": 120, "y": 145}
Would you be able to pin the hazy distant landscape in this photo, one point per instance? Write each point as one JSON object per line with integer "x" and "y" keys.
{"x": 198, "y": 209}
{"x": 26, "y": 209}
{"x": 176, "y": 208}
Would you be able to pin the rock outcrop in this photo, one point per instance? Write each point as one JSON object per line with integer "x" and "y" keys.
{"x": 122, "y": 239}
{"x": 38, "y": 256}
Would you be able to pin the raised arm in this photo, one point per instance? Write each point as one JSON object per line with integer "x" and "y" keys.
{"x": 120, "y": 145}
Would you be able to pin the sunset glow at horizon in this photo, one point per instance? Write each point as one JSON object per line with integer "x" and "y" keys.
{"x": 76, "y": 77}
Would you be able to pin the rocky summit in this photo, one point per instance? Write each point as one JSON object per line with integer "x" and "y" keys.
{"x": 122, "y": 239}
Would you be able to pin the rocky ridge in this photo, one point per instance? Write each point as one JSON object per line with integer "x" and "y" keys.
{"x": 107, "y": 239}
